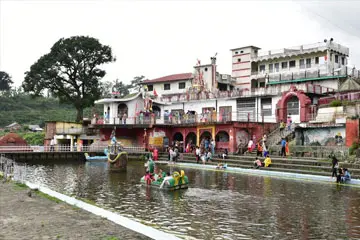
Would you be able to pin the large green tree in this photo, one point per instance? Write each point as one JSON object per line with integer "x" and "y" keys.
{"x": 5, "y": 81}
{"x": 70, "y": 71}
{"x": 121, "y": 88}
{"x": 136, "y": 82}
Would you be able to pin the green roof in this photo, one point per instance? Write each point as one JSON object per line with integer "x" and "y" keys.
{"x": 305, "y": 79}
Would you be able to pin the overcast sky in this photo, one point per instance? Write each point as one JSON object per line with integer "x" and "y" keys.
{"x": 157, "y": 38}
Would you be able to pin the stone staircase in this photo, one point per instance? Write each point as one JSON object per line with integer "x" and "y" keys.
{"x": 313, "y": 166}
{"x": 275, "y": 136}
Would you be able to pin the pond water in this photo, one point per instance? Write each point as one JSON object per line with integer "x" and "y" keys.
{"x": 217, "y": 205}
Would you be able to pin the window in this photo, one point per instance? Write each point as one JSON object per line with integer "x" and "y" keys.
{"x": 284, "y": 65}
{"x": 302, "y": 63}
{"x": 342, "y": 61}
{"x": 167, "y": 86}
{"x": 255, "y": 51}
{"x": 292, "y": 64}
{"x": 330, "y": 57}
{"x": 236, "y": 52}
{"x": 181, "y": 85}
{"x": 293, "y": 106}
{"x": 225, "y": 113}
{"x": 205, "y": 69}
{"x": 266, "y": 106}
{"x": 308, "y": 63}
{"x": 241, "y": 51}
{"x": 262, "y": 68}
{"x": 316, "y": 60}
{"x": 336, "y": 59}
{"x": 277, "y": 65}
{"x": 150, "y": 87}
{"x": 271, "y": 67}
{"x": 239, "y": 59}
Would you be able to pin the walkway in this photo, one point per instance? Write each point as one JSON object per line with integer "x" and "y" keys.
{"x": 36, "y": 217}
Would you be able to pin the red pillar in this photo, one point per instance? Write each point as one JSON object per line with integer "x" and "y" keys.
{"x": 352, "y": 131}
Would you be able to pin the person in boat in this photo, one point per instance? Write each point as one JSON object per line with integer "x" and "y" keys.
{"x": 150, "y": 165}
{"x": 148, "y": 178}
{"x": 166, "y": 179}
{"x": 267, "y": 161}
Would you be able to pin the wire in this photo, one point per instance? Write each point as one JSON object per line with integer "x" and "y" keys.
{"x": 329, "y": 21}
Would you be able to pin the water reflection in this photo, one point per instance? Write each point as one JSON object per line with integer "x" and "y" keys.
{"x": 217, "y": 205}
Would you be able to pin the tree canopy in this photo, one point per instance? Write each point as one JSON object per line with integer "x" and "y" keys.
{"x": 5, "y": 81}
{"x": 70, "y": 71}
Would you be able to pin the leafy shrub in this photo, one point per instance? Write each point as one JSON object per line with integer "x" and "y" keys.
{"x": 353, "y": 148}
{"x": 335, "y": 103}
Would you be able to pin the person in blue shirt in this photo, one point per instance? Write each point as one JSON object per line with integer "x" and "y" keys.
{"x": 346, "y": 177}
{"x": 283, "y": 145}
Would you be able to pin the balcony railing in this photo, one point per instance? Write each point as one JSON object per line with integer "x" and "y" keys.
{"x": 302, "y": 49}
{"x": 183, "y": 119}
{"x": 316, "y": 72}
{"x": 352, "y": 96}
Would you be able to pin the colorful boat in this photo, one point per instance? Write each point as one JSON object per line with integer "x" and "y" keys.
{"x": 103, "y": 158}
{"x": 174, "y": 182}
{"x": 116, "y": 158}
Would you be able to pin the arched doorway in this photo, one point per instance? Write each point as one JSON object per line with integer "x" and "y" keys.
{"x": 205, "y": 135}
{"x": 293, "y": 108}
{"x": 178, "y": 137}
{"x": 122, "y": 109}
{"x": 157, "y": 111}
{"x": 190, "y": 138}
{"x": 222, "y": 136}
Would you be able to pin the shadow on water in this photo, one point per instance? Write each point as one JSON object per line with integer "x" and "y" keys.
{"x": 217, "y": 205}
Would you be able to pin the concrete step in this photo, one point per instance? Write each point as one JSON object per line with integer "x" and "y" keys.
{"x": 304, "y": 169}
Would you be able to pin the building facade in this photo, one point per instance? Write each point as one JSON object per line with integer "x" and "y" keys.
{"x": 264, "y": 88}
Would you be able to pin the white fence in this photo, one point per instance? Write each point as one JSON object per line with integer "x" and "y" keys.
{"x": 64, "y": 148}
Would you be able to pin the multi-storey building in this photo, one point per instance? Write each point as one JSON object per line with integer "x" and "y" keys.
{"x": 264, "y": 88}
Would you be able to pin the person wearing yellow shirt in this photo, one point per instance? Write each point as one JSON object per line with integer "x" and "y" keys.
{"x": 267, "y": 161}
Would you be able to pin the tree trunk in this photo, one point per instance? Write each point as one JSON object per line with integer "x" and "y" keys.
{"x": 79, "y": 115}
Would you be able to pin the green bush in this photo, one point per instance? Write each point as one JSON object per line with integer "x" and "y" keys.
{"x": 353, "y": 148}
{"x": 34, "y": 138}
{"x": 336, "y": 103}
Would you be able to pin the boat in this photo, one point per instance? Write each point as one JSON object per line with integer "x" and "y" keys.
{"x": 114, "y": 156}
{"x": 103, "y": 158}
{"x": 170, "y": 183}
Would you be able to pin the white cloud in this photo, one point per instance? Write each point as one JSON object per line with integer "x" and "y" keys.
{"x": 156, "y": 38}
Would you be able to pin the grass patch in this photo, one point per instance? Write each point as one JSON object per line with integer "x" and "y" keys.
{"x": 19, "y": 185}
{"x": 44, "y": 195}
{"x": 86, "y": 200}
{"x": 111, "y": 238}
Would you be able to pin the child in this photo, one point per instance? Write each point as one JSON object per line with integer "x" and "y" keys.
{"x": 257, "y": 163}
{"x": 267, "y": 161}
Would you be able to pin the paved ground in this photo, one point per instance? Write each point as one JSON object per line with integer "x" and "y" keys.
{"x": 36, "y": 217}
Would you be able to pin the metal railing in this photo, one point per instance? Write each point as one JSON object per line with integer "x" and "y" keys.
{"x": 64, "y": 148}
{"x": 321, "y": 46}
{"x": 352, "y": 96}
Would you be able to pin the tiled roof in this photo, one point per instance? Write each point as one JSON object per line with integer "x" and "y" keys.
{"x": 170, "y": 78}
